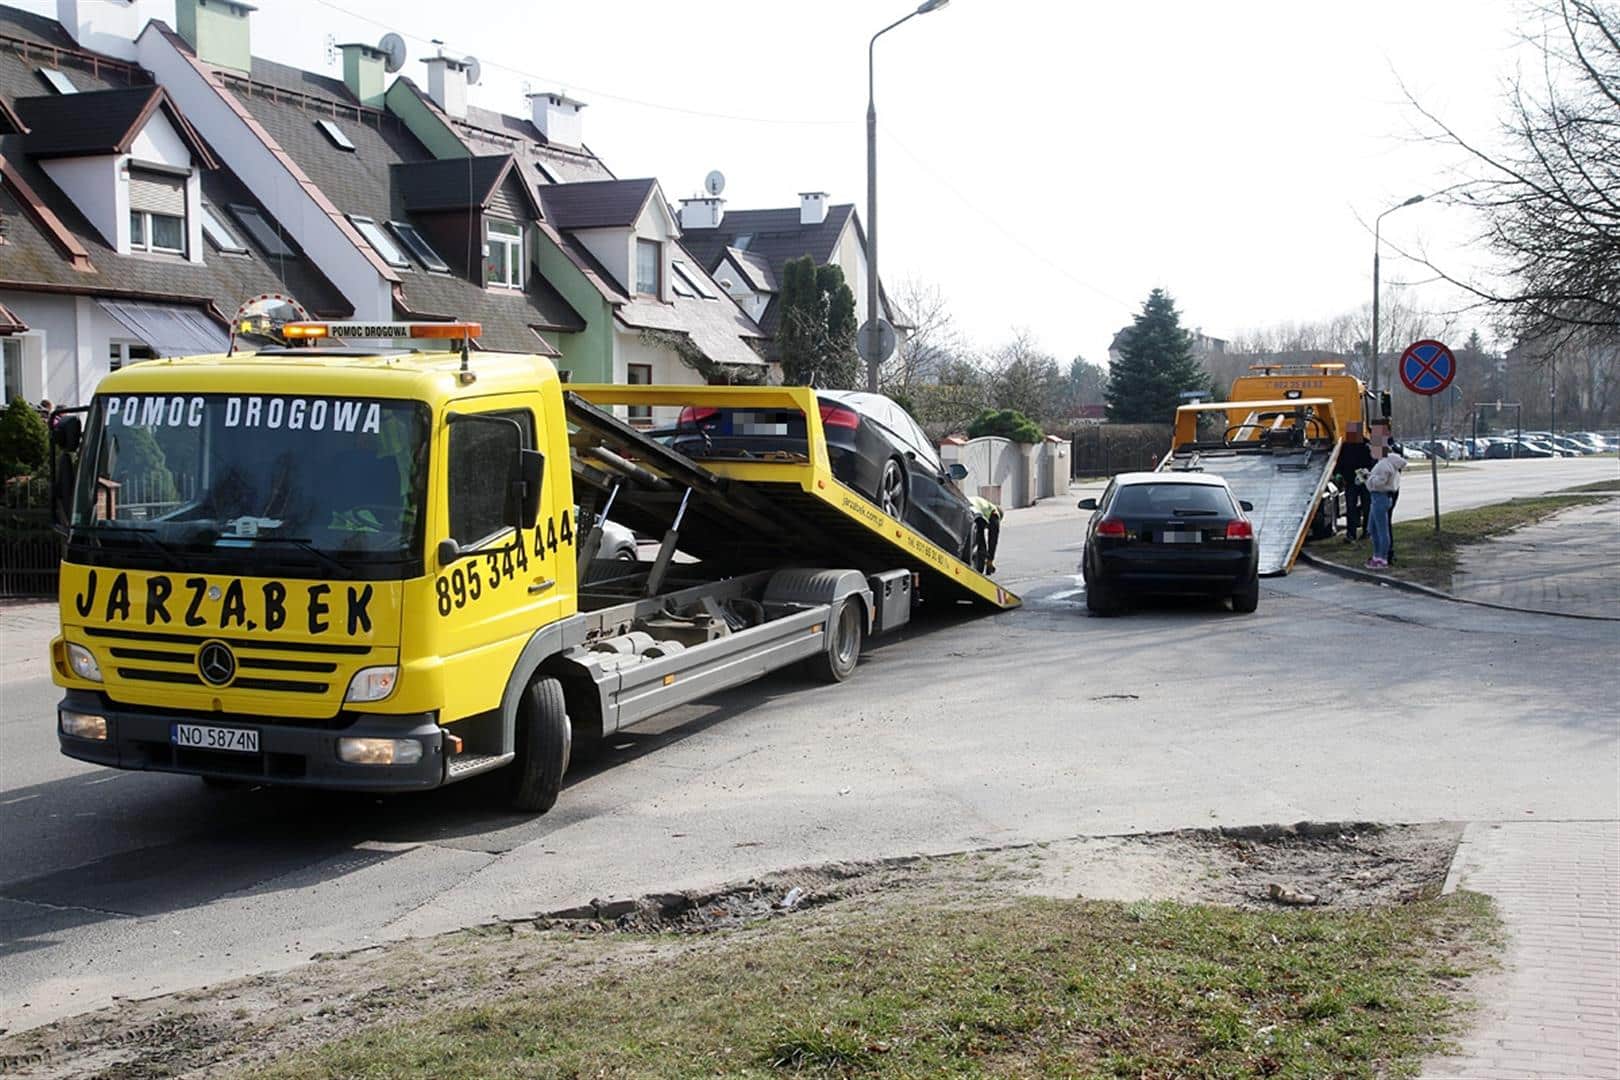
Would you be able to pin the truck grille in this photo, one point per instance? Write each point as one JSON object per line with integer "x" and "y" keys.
{"x": 301, "y": 668}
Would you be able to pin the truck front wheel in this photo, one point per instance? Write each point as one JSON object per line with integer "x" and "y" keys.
{"x": 544, "y": 740}
{"x": 843, "y": 643}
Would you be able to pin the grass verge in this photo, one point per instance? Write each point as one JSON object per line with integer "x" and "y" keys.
{"x": 1029, "y": 987}
{"x": 1429, "y": 558}
{"x": 1596, "y": 485}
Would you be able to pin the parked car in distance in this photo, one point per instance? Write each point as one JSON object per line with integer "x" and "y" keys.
{"x": 1169, "y": 533}
{"x": 873, "y": 444}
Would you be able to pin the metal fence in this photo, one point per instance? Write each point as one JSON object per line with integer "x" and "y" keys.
{"x": 1106, "y": 449}
{"x": 29, "y": 549}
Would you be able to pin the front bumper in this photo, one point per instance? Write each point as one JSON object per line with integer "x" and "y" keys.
{"x": 288, "y": 754}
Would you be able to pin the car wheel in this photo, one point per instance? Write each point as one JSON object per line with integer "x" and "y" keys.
{"x": 544, "y": 740}
{"x": 1247, "y": 598}
{"x": 976, "y": 548}
{"x": 837, "y": 661}
{"x": 625, "y": 555}
{"x": 1100, "y": 598}
{"x": 891, "y": 493}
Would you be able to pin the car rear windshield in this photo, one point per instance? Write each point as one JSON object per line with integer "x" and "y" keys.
{"x": 1149, "y": 500}
{"x": 769, "y": 434}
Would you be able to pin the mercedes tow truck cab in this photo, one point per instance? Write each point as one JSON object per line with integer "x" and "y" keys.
{"x": 353, "y": 559}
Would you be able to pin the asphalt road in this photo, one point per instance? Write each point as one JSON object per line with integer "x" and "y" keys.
{"x": 1336, "y": 700}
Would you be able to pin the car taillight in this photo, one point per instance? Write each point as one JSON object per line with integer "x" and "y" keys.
{"x": 1239, "y": 530}
{"x": 1111, "y": 527}
{"x": 835, "y": 416}
{"x": 694, "y": 415}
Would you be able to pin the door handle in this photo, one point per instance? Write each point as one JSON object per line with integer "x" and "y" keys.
{"x": 541, "y": 586}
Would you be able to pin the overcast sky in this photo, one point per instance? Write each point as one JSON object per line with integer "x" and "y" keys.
{"x": 1045, "y": 162}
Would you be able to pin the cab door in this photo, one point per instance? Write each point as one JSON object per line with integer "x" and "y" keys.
{"x": 494, "y": 583}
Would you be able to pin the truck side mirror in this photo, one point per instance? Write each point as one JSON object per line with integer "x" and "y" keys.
{"x": 957, "y": 471}
{"x": 1087, "y": 504}
{"x": 531, "y": 473}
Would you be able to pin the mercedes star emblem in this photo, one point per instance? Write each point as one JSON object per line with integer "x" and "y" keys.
{"x": 216, "y": 662}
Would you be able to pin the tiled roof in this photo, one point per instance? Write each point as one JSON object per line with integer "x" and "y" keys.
{"x": 451, "y": 183}
{"x": 597, "y": 204}
{"x": 755, "y": 269}
{"x": 34, "y": 259}
{"x": 773, "y": 235}
{"x": 100, "y": 122}
{"x": 361, "y": 181}
{"x": 38, "y": 29}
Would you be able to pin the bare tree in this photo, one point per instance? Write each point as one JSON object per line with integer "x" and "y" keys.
{"x": 929, "y": 346}
{"x": 1550, "y": 200}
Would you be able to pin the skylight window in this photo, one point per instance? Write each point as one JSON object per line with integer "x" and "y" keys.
{"x": 418, "y": 246}
{"x": 693, "y": 280}
{"x": 263, "y": 233}
{"x": 381, "y": 242}
{"x": 57, "y": 81}
{"x": 219, "y": 234}
{"x": 679, "y": 285}
{"x": 335, "y": 133}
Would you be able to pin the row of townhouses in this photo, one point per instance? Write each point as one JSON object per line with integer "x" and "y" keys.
{"x": 155, "y": 177}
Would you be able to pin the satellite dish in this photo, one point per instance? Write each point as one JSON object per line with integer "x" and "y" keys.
{"x": 475, "y": 71}
{"x": 394, "y": 46}
{"x": 715, "y": 183}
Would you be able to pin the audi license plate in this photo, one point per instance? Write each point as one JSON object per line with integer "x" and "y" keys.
{"x": 198, "y": 737}
{"x": 1175, "y": 536}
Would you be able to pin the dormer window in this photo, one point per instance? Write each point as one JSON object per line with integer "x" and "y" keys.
{"x": 503, "y": 265}
{"x": 157, "y": 212}
{"x": 649, "y": 267}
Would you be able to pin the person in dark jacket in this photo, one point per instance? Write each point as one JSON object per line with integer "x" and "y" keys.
{"x": 1355, "y": 462}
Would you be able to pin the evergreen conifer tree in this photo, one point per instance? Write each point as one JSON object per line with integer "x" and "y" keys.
{"x": 1155, "y": 365}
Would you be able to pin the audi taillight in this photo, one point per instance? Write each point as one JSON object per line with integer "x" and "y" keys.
{"x": 837, "y": 416}
{"x": 1239, "y": 530}
{"x": 694, "y": 415}
{"x": 1111, "y": 527}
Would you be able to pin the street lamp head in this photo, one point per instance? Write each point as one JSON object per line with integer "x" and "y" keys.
{"x": 1413, "y": 201}
{"x": 931, "y": 5}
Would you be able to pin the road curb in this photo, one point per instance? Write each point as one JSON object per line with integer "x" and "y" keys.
{"x": 1423, "y": 590}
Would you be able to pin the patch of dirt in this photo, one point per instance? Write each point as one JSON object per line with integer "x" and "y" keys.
{"x": 207, "y": 1031}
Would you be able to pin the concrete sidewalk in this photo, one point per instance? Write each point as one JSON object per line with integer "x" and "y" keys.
{"x": 1554, "y": 1010}
{"x": 1569, "y": 563}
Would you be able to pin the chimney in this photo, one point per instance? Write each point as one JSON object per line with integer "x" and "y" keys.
{"x": 557, "y": 117}
{"x": 703, "y": 212}
{"x": 217, "y": 31}
{"x": 109, "y": 27}
{"x": 812, "y": 207}
{"x": 447, "y": 85}
{"x": 364, "y": 73}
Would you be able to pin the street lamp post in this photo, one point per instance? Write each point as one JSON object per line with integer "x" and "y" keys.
{"x": 1377, "y": 222}
{"x": 872, "y": 310}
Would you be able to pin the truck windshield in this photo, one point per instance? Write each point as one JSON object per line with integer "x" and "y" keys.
{"x": 331, "y": 479}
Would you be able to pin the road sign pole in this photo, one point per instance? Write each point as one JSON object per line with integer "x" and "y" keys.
{"x": 1434, "y": 465}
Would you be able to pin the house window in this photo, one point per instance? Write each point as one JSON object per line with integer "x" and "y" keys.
{"x": 264, "y": 234}
{"x": 503, "y": 265}
{"x": 380, "y": 242}
{"x": 693, "y": 280}
{"x": 120, "y": 353}
{"x": 157, "y": 212}
{"x": 649, "y": 265}
{"x": 11, "y": 380}
{"x": 418, "y": 246}
{"x": 57, "y": 81}
{"x": 335, "y": 134}
{"x": 639, "y": 375}
{"x": 219, "y": 234}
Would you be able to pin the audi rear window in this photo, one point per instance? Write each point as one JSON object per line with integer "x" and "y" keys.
{"x": 1148, "y": 500}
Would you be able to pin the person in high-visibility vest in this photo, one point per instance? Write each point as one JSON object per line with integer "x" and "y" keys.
{"x": 988, "y": 526}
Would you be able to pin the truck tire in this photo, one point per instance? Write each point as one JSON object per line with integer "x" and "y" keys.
{"x": 843, "y": 646}
{"x": 1247, "y": 598}
{"x": 544, "y": 742}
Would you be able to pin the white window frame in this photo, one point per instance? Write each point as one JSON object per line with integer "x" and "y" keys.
{"x": 140, "y": 221}
{"x": 411, "y": 239}
{"x": 513, "y": 257}
{"x": 658, "y": 267}
{"x": 219, "y": 232}
{"x": 12, "y": 355}
{"x": 122, "y": 359}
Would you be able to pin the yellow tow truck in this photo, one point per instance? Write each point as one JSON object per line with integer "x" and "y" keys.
{"x": 366, "y": 558}
{"x": 1275, "y": 441}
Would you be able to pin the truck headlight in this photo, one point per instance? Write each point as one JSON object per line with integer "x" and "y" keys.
{"x": 82, "y": 725}
{"x": 358, "y": 751}
{"x": 372, "y": 683}
{"x": 83, "y": 662}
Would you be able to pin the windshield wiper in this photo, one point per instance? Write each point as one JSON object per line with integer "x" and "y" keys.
{"x": 147, "y": 539}
{"x": 302, "y": 543}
